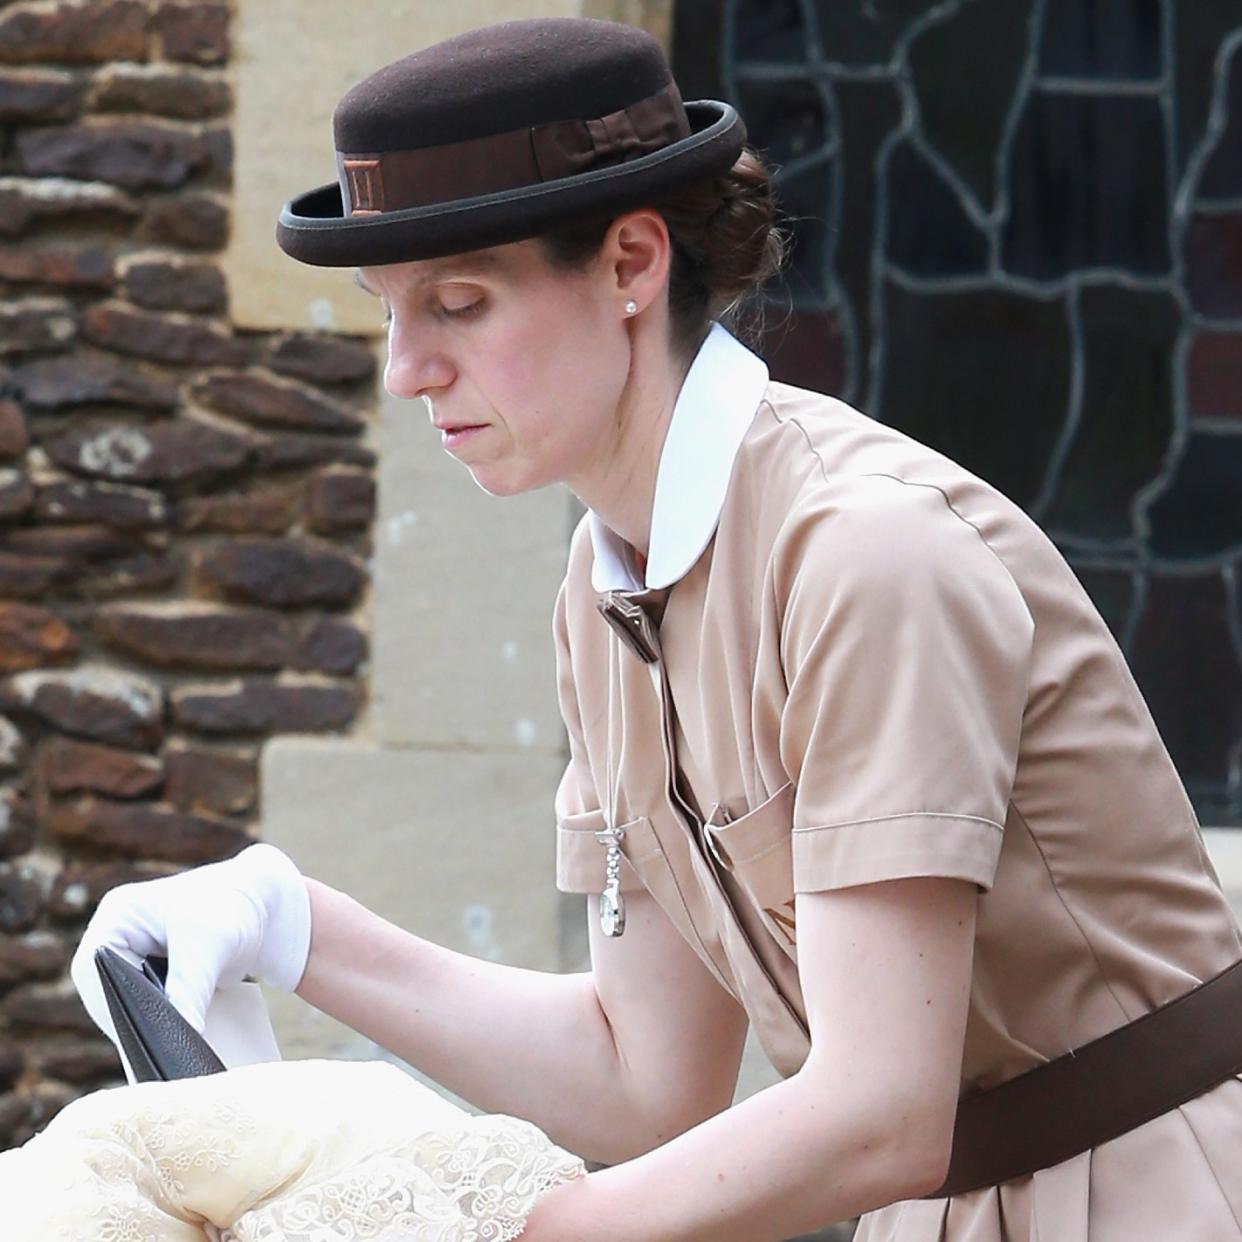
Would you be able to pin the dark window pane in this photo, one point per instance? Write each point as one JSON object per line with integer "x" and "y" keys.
{"x": 806, "y": 349}
{"x": 1213, "y": 257}
{"x": 1200, "y": 27}
{"x": 1190, "y": 676}
{"x": 1214, "y": 375}
{"x": 937, "y": 239}
{"x": 1102, "y": 39}
{"x": 963, "y": 113}
{"x": 784, "y": 120}
{"x": 1200, "y": 514}
{"x": 1126, "y": 419}
{"x": 983, "y": 377}
{"x": 1222, "y": 178}
{"x": 1088, "y": 187}
{"x": 698, "y": 33}
{"x": 769, "y": 30}
{"x": 855, "y": 32}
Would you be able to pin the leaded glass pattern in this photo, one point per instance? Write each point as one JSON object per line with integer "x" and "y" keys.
{"x": 1017, "y": 235}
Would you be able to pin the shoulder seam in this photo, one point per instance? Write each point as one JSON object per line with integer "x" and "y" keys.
{"x": 883, "y": 474}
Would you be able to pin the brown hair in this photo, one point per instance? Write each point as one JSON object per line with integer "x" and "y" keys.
{"x": 725, "y": 246}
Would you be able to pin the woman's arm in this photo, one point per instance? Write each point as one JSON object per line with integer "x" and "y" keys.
{"x": 867, "y": 1121}
{"x": 539, "y": 1045}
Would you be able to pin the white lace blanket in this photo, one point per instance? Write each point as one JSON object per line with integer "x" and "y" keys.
{"x": 296, "y": 1151}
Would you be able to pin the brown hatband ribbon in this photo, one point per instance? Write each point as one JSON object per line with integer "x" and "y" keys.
{"x": 394, "y": 180}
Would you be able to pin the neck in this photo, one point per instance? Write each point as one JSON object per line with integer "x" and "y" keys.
{"x": 621, "y": 487}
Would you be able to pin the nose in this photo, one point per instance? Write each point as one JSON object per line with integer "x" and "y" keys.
{"x": 416, "y": 366}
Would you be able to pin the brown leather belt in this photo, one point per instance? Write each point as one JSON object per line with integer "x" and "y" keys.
{"x": 1099, "y": 1091}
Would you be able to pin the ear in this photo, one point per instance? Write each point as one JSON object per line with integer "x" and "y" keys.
{"x": 636, "y": 254}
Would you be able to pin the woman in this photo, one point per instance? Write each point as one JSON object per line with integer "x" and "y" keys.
{"x": 853, "y": 757}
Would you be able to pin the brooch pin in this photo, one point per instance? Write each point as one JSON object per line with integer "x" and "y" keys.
{"x": 611, "y": 903}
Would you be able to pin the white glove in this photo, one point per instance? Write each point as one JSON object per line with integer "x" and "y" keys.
{"x": 248, "y": 915}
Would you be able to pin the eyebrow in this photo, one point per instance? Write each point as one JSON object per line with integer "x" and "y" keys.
{"x": 457, "y": 264}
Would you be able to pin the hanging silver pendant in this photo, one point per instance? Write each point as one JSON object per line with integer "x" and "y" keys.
{"x": 611, "y": 903}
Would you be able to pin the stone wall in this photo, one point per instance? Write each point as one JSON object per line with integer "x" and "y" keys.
{"x": 185, "y": 505}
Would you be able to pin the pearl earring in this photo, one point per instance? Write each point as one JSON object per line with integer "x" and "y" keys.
{"x": 631, "y": 306}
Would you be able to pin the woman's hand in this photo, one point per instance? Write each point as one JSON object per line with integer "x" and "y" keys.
{"x": 248, "y": 915}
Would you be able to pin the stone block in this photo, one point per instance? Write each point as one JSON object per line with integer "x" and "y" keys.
{"x": 17, "y": 832}
{"x": 268, "y": 511}
{"x": 196, "y": 636}
{"x": 73, "y": 265}
{"x": 90, "y": 561}
{"x": 43, "y": 95}
{"x": 47, "y": 1005}
{"x": 263, "y": 705}
{"x": 47, "y": 1098}
{"x": 78, "y": 543}
{"x": 77, "y": 1060}
{"x": 92, "y": 32}
{"x": 13, "y": 750}
{"x": 143, "y": 830}
{"x": 91, "y": 701}
{"x": 133, "y": 155}
{"x": 35, "y": 955}
{"x": 331, "y": 646}
{"x": 36, "y": 326}
{"x": 77, "y": 890}
{"x": 26, "y": 200}
{"x": 284, "y": 573}
{"x": 293, "y": 451}
{"x": 25, "y": 577}
{"x": 216, "y": 782}
{"x": 195, "y": 33}
{"x": 16, "y": 494}
{"x": 12, "y": 1065}
{"x": 14, "y": 438}
{"x": 112, "y": 504}
{"x": 270, "y": 403}
{"x": 166, "y": 453}
{"x": 22, "y": 893}
{"x": 323, "y": 359}
{"x": 157, "y": 284}
{"x": 194, "y": 221}
{"x": 158, "y": 91}
{"x": 456, "y": 846}
{"x": 66, "y": 766}
{"x": 504, "y": 559}
{"x": 15, "y": 1119}
{"x": 162, "y": 338}
{"x": 339, "y": 499}
{"x": 32, "y": 637}
{"x": 125, "y": 575}
{"x": 89, "y": 377}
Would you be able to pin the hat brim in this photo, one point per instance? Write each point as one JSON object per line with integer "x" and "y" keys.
{"x": 313, "y": 228}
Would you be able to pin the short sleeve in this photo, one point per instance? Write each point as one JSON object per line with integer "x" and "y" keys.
{"x": 906, "y": 646}
{"x": 579, "y": 856}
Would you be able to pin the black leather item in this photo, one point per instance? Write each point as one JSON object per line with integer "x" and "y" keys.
{"x": 158, "y": 1042}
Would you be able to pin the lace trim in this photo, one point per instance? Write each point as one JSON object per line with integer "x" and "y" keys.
{"x": 385, "y": 1160}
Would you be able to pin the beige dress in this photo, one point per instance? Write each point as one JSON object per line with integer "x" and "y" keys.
{"x": 882, "y": 668}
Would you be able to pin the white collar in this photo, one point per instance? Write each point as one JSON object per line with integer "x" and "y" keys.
{"x": 714, "y": 409}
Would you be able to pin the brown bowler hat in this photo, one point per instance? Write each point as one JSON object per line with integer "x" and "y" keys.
{"x": 500, "y": 134}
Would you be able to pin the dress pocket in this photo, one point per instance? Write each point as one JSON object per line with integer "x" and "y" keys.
{"x": 756, "y": 849}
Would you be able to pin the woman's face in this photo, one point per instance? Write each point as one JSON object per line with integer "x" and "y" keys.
{"x": 522, "y": 364}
